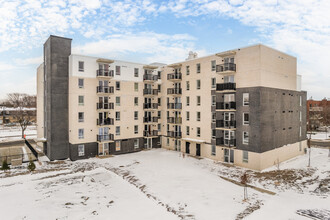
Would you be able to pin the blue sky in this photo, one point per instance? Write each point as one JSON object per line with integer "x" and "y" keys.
{"x": 163, "y": 31}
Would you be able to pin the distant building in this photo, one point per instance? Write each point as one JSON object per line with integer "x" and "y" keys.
{"x": 316, "y": 111}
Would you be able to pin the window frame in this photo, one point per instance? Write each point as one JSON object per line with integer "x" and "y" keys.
{"x": 245, "y": 156}
{"x": 136, "y": 72}
{"x": 248, "y": 98}
{"x": 79, "y": 81}
{"x": 81, "y": 150}
{"x": 83, "y": 117}
{"x": 198, "y": 84}
{"x": 83, "y": 66}
{"x": 213, "y": 67}
{"x": 246, "y": 122}
{"x": 213, "y": 150}
{"x": 83, "y": 100}
{"x": 244, "y": 138}
{"x": 81, "y": 133}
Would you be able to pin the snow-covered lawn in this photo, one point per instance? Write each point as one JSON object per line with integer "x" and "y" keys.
{"x": 320, "y": 135}
{"x": 159, "y": 184}
{"x": 15, "y": 133}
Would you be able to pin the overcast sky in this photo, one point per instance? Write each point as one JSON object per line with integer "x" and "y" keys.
{"x": 164, "y": 31}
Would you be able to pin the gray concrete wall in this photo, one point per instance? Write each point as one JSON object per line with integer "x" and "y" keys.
{"x": 91, "y": 150}
{"x": 127, "y": 146}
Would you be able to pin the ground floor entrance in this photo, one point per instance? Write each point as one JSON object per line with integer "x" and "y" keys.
{"x": 198, "y": 150}
{"x": 187, "y": 147}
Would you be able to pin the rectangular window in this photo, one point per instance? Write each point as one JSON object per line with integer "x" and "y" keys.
{"x": 213, "y": 153}
{"x": 117, "y": 100}
{"x": 187, "y": 70}
{"x": 198, "y": 84}
{"x": 117, "y": 116}
{"x": 136, "y": 72}
{"x": 246, "y": 119}
{"x": 81, "y": 133}
{"x": 245, "y": 156}
{"x": 245, "y": 99}
{"x": 167, "y": 141}
{"x": 198, "y": 100}
{"x": 81, "y": 100}
{"x": 229, "y": 79}
{"x": 136, "y": 129}
{"x": 213, "y": 65}
{"x": 159, "y": 73}
{"x": 213, "y": 83}
{"x": 118, "y": 145}
{"x": 198, "y": 116}
{"x": 187, "y": 85}
{"x": 117, "y": 130}
{"x": 198, "y": 67}
{"x": 187, "y": 130}
{"x": 214, "y": 100}
{"x": 198, "y": 131}
{"x": 80, "y": 117}
{"x": 159, "y": 114}
{"x": 81, "y": 66}
{"x": 136, "y": 87}
{"x": 136, "y": 143}
{"x": 117, "y": 70}
{"x": 136, "y": 101}
{"x": 159, "y": 127}
{"x": 187, "y": 101}
{"x": 159, "y": 88}
{"x": 81, "y": 83}
{"x": 136, "y": 115}
{"x": 214, "y": 117}
{"x": 117, "y": 85}
{"x": 188, "y": 116}
{"x": 245, "y": 137}
{"x": 159, "y": 101}
{"x": 81, "y": 150}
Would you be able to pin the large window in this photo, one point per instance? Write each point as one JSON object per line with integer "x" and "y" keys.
{"x": 245, "y": 156}
{"x": 245, "y": 137}
{"x": 246, "y": 119}
{"x": 117, "y": 70}
{"x": 81, "y": 66}
{"x": 213, "y": 65}
{"x": 118, "y": 145}
{"x": 81, "y": 83}
{"x": 117, "y": 130}
{"x": 81, "y": 150}
{"x": 136, "y": 143}
{"x": 80, "y": 117}
{"x": 198, "y": 67}
{"x": 81, "y": 133}
{"x": 229, "y": 79}
{"x": 245, "y": 99}
{"x": 198, "y": 100}
{"x": 136, "y": 72}
{"x": 213, "y": 152}
{"x": 81, "y": 100}
{"x": 118, "y": 101}
{"x": 198, "y": 84}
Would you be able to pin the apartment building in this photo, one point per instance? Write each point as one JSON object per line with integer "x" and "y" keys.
{"x": 242, "y": 106}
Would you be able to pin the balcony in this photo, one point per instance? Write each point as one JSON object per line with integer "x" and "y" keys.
{"x": 225, "y": 124}
{"x": 226, "y": 68}
{"x": 225, "y": 105}
{"x": 107, "y": 121}
{"x": 174, "y": 120}
{"x": 150, "y": 77}
{"x": 150, "y": 119}
{"x": 105, "y": 89}
{"x": 174, "y": 76}
{"x": 174, "y": 134}
{"x": 101, "y": 105}
{"x": 150, "y": 91}
{"x": 105, "y": 137}
{"x": 174, "y": 91}
{"x": 226, "y": 86}
{"x": 150, "y": 133}
{"x": 174, "y": 105}
{"x": 104, "y": 73}
{"x": 150, "y": 106}
{"x": 226, "y": 142}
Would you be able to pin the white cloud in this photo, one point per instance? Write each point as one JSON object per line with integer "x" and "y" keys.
{"x": 29, "y": 61}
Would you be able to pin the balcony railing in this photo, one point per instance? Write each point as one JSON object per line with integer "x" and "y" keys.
{"x": 150, "y": 91}
{"x": 150, "y": 77}
{"x": 225, "y": 124}
{"x": 105, "y": 137}
{"x": 174, "y": 76}
{"x": 105, "y": 73}
{"x": 174, "y": 134}
{"x": 150, "y": 106}
{"x": 150, "y": 119}
{"x": 225, "y": 105}
{"x": 226, "y": 67}
{"x": 150, "y": 133}
{"x": 174, "y": 91}
{"x": 226, "y": 86}
{"x": 107, "y": 121}
{"x": 102, "y": 105}
{"x": 226, "y": 142}
{"x": 104, "y": 89}
{"x": 174, "y": 105}
{"x": 174, "y": 120}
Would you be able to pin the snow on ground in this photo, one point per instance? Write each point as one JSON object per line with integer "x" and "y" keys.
{"x": 15, "y": 133}
{"x": 159, "y": 184}
{"x": 320, "y": 135}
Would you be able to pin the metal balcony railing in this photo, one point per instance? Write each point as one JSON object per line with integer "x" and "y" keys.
{"x": 174, "y": 91}
{"x": 150, "y": 77}
{"x": 105, "y": 73}
{"x": 107, "y": 121}
{"x": 226, "y": 86}
{"x": 150, "y": 106}
{"x": 174, "y": 76}
{"x": 225, "y": 105}
{"x": 150, "y": 133}
{"x": 226, "y": 67}
{"x": 150, "y": 119}
{"x": 174, "y": 120}
{"x": 104, "y": 137}
{"x": 225, "y": 124}
{"x": 226, "y": 142}
{"x": 174, "y": 134}
{"x": 150, "y": 91}
{"x": 102, "y": 105}
{"x": 174, "y": 105}
{"x": 105, "y": 89}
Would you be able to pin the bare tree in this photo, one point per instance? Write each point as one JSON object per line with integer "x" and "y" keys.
{"x": 245, "y": 180}
{"x": 21, "y": 102}
{"x": 326, "y": 120}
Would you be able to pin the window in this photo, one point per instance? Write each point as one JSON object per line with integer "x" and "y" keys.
{"x": 136, "y": 115}
{"x": 213, "y": 153}
{"x": 80, "y": 117}
{"x": 81, "y": 100}
{"x": 245, "y": 137}
{"x": 136, "y": 143}
{"x": 245, "y": 99}
{"x": 159, "y": 127}
{"x": 118, "y": 145}
{"x": 188, "y": 116}
{"x": 81, "y": 66}
{"x": 167, "y": 141}
{"x": 81, "y": 150}
{"x": 229, "y": 79}
{"x": 198, "y": 67}
{"x": 214, "y": 100}
{"x": 213, "y": 82}
{"x": 159, "y": 88}
{"x": 117, "y": 85}
{"x": 198, "y": 100}
{"x": 198, "y": 131}
{"x": 81, "y": 83}
{"x": 159, "y": 114}
{"x": 214, "y": 133}
{"x": 187, "y": 70}
{"x": 136, "y": 87}
{"x": 117, "y": 130}
{"x": 245, "y": 156}
{"x": 159, "y": 74}
{"x": 136, "y": 129}
{"x": 198, "y": 84}
{"x": 187, "y": 85}
{"x": 187, "y": 101}
{"x": 213, "y": 117}
{"x": 213, "y": 65}
{"x": 198, "y": 116}
{"x": 136, "y": 101}
{"x": 136, "y": 72}
{"x": 81, "y": 133}
{"x": 117, "y": 100}
{"x": 246, "y": 120}
{"x": 117, "y": 70}
{"x": 117, "y": 116}
{"x": 159, "y": 102}
{"x": 187, "y": 130}
{"x": 300, "y": 116}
